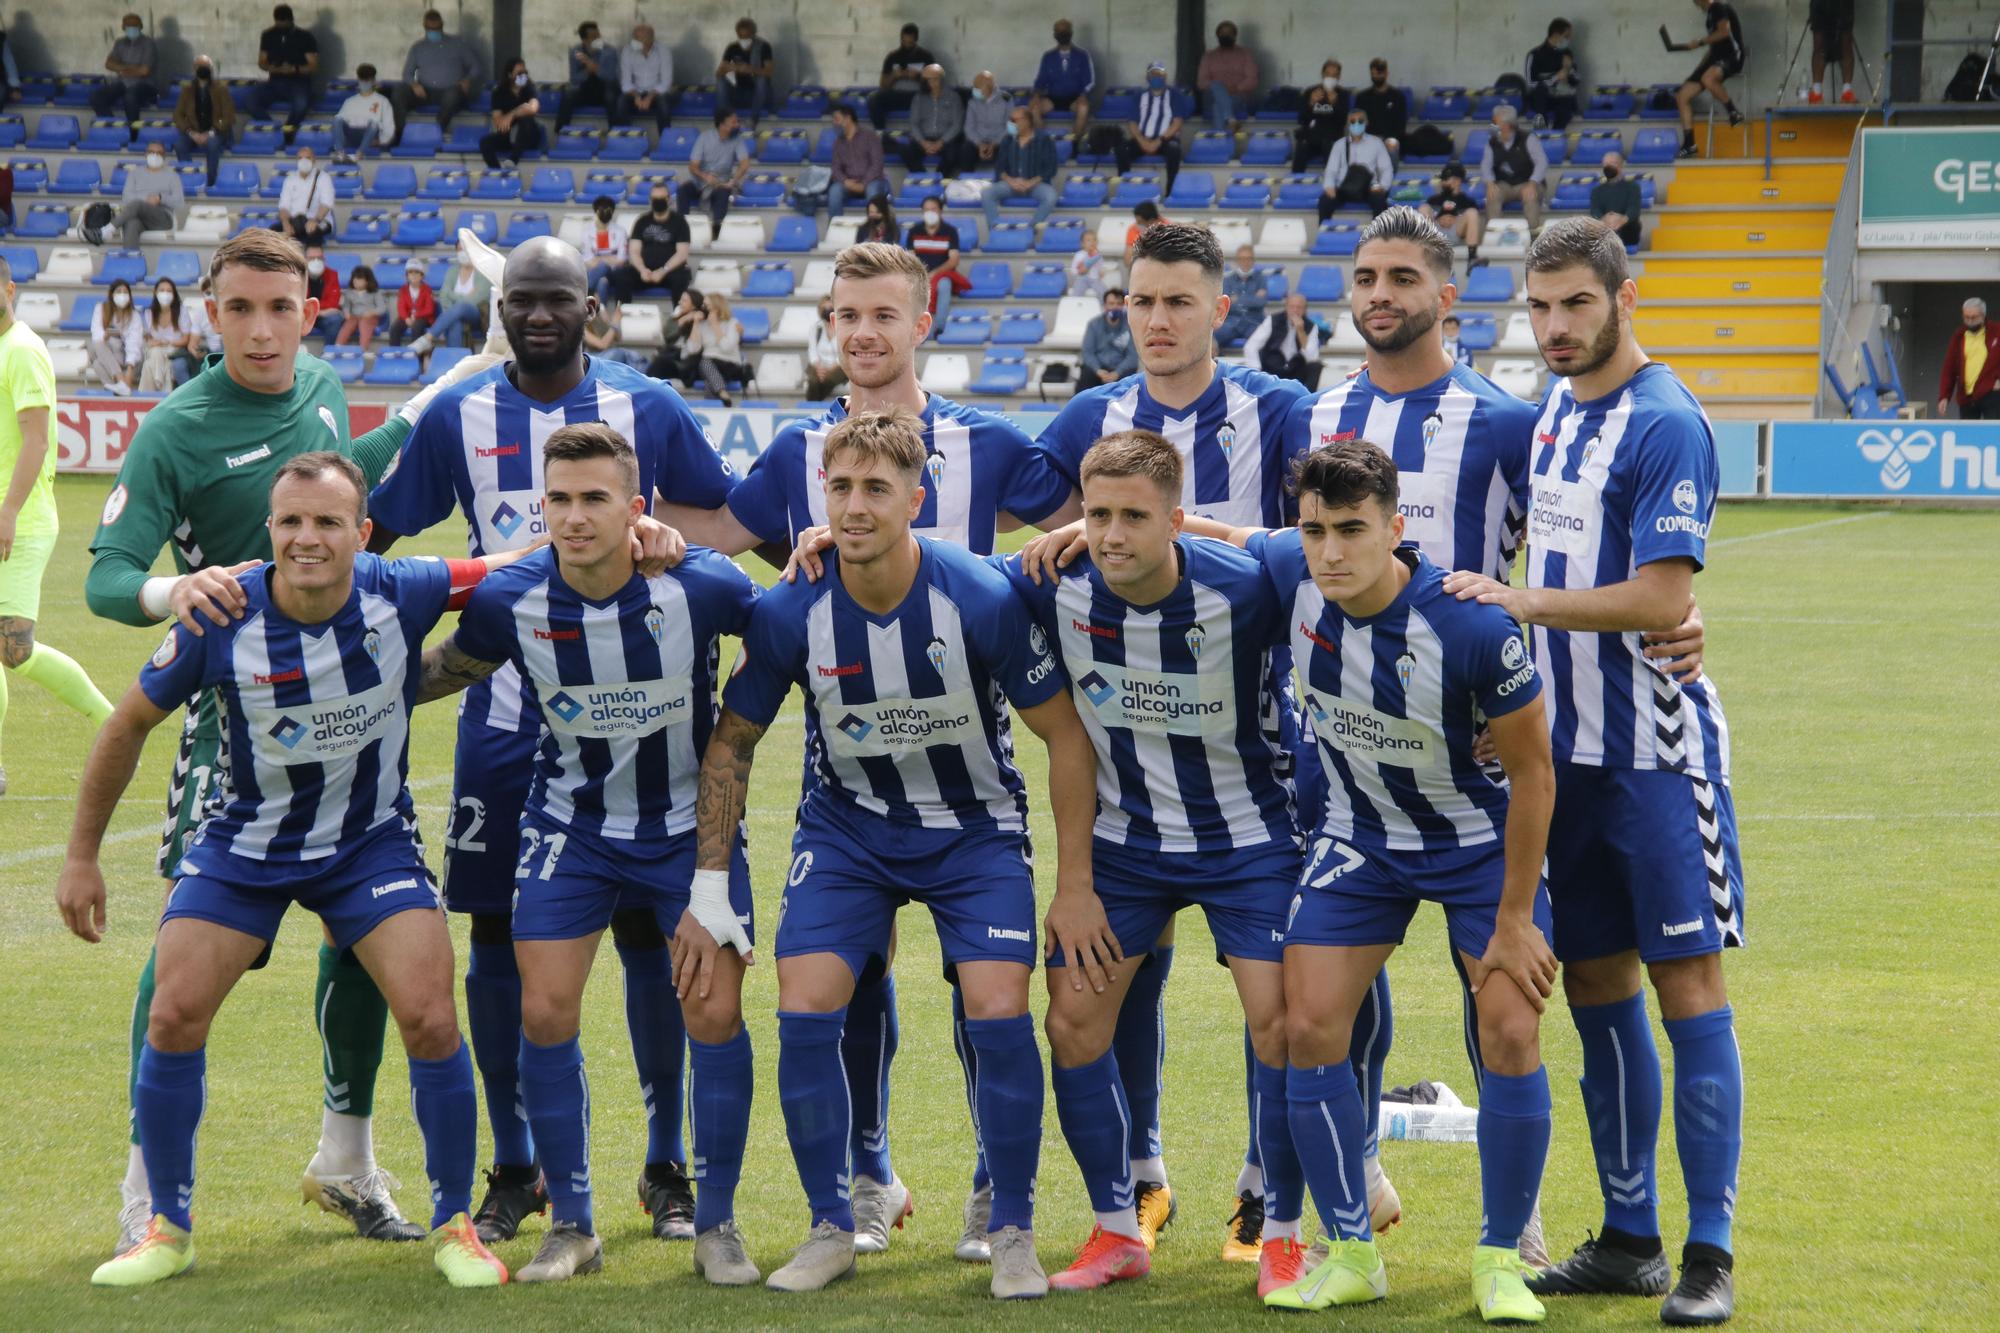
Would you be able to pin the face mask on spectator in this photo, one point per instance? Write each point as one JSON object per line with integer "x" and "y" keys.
{"x": 204, "y": 74}
{"x": 164, "y": 295}
{"x": 1610, "y": 173}
{"x": 121, "y": 299}
{"x": 604, "y": 214}
{"x": 1225, "y": 39}
{"x": 1560, "y": 44}
{"x": 978, "y": 94}
{"x": 365, "y": 87}
{"x": 932, "y": 217}
{"x": 135, "y": 32}
{"x": 520, "y": 80}
{"x": 305, "y": 166}
{"x": 433, "y": 34}
{"x": 1116, "y": 314}
{"x": 659, "y": 203}
{"x": 1329, "y": 83}
{"x": 1357, "y": 128}
{"x": 155, "y": 161}
{"x": 1156, "y": 81}
{"x": 316, "y": 267}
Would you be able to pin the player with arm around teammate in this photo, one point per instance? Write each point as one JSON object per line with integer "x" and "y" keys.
{"x": 909, "y": 652}
{"x": 317, "y": 681}
{"x": 1398, "y": 681}
{"x": 624, "y": 666}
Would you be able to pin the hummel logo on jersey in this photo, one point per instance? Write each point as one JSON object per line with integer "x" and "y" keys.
{"x": 238, "y": 460}
{"x": 1096, "y": 688}
{"x": 498, "y": 451}
{"x": 1406, "y": 669}
{"x": 287, "y": 732}
{"x": 563, "y": 706}
{"x": 1337, "y": 436}
{"x": 934, "y": 650}
{"x": 855, "y": 726}
{"x": 558, "y": 634}
{"x": 1307, "y": 630}
{"x": 1196, "y": 636}
{"x": 1681, "y": 928}
{"x": 280, "y": 677}
{"x": 1545, "y": 437}
{"x": 997, "y": 933}
{"x": 393, "y": 887}
{"x": 851, "y": 669}
{"x": 507, "y": 520}
{"x": 1099, "y": 631}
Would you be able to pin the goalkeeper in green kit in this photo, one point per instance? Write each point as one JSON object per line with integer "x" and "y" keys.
{"x": 198, "y": 475}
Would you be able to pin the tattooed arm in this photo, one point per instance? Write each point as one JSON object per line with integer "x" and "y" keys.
{"x": 447, "y": 669}
{"x": 710, "y": 924}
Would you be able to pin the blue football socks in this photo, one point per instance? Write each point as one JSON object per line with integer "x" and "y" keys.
{"x": 557, "y": 1094}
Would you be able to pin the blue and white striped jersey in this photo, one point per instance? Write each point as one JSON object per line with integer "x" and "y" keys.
{"x": 315, "y": 718}
{"x": 1620, "y": 482}
{"x": 1396, "y": 699}
{"x": 906, "y": 713}
{"x": 1461, "y": 451}
{"x": 478, "y": 448}
{"x": 1231, "y": 440}
{"x": 977, "y": 466}
{"x": 627, "y": 685}
{"x": 1180, "y": 698}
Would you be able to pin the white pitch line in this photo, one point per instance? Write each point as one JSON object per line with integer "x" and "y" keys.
{"x": 1797, "y": 527}
{"x": 1863, "y": 816}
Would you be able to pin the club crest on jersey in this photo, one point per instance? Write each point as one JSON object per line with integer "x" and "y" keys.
{"x": 1038, "y": 642}
{"x": 1684, "y": 496}
{"x": 1432, "y": 425}
{"x": 371, "y": 643}
{"x": 1406, "y": 668}
{"x": 934, "y": 468}
{"x": 1589, "y": 448}
{"x": 656, "y": 622}
{"x": 935, "y": 651}
{"x": 1196, "y": 636}
{"x": 1512, "y": 654}
{"x": 164, "y": 655}
{"x": 326, "y": 415}
{"x": 1225, "y": 439}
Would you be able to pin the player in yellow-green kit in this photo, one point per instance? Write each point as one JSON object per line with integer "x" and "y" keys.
{"x": 197, "y": 478}
{"x": 28, "y": 517}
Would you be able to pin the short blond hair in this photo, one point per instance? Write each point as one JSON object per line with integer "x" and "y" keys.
{"x": 876, "y": 259}
{"x": 1135, "y": 453}
{"x": 261, "y": 249}
{"x": 895, "y": 437}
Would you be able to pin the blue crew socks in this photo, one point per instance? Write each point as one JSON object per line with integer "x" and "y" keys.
{"x": 1326, "y": 1131}
{"x": 168, "y": 1099}
{"x": 812, "y": 1088}
{"x": 1708, "y": 1120}
{"x": 1010, "y": 1113}
{"x": 557, "y": 1094}
{"x": 968, "y": 1061}
{"x": 447, "y": 1111}
{"x": 867, "y": 1049}
{"x": 1250, "y": 1157}
{"x": 1368, "y": 1051}
{"x": 1514, "y": 1124}
{"x": 1096, "y": 1123}
{"x": 719, "y": 1088}
{"x": 1140, "y": 1043}
{"x": 1284, "y": 1175}
{"x": 659, "y": 1047}
{"x": 1621, "y": 1099}
{"x": 493, "y": 1013}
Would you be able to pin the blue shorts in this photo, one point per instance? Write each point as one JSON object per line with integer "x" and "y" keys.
{"x": 568, "y": 884}
{"x": 1348, "y": 896}
{"x": 1643, "y": 859}
{"x": 851, "y": 872}
{"x": 1243, "y": 893}
{"x": 384, "y": 876}
{"x": 490, "y": 778}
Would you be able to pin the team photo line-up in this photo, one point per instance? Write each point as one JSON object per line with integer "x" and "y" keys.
{"x": 1268, "y": 638}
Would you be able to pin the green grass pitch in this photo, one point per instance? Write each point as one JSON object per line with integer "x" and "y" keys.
{"x": 1856, "y": 652}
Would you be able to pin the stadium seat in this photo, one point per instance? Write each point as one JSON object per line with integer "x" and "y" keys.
{"x": 840, "y": 233}
{"x": 741, "y": 233}
{"x": 235, "y": 180}
{"x": 523, "y": 227}
{"x": 676, "y": 143}
{"x": 642, "y": 183}
{"x": 418, "y": 227}
{"x": 1652, "y": 144}
{"x": 1246, "y": 192}
{"x": 1657, "y": 102}
{"x": 805, "y": 102}
{"x": 1505, "y": 238}
{"x": 364, "y": 226}
{"x": 762, "y": 189}
{"x": 1192, "y": 189}
{"x": 816, "y": 281}
{"x": 1444, "y": 103}
{"x": 1000, "y": 375}
{"x": 1012, "y": 238}
{"x": 1299, "y": 193}
{"x": 121, "y": 266}
{"x": 1210, "y": 149}
{"x": 24, "y": 262}
{"x": 316, "y": 135}
{"x": 13, "y": 131}
{"x": 1042, "y": 282}
{"x": 393, "y": 366}
{"x": 69, "y": 357}
{"x": 194, "y": 180}
{"x": 394, "y": 181}
{"x": 1573, "y": 191}
{"x": 76, "y": 89}
{"x": 41, "y": 221}
{"x": 31, "y": 174}
{"x": 968, "y": 230}
{"x": 1592, "y": 146}
{"x": 1073, "y": 316}
{"x": 347, "y": 362}
{"x": 1138, "y": 188}
{"x": 1231, "y": 234}
{"x": 822, "y": 152}
{"x": 252, "y": 218}
{"x": 105, "y": 136}
{"x": 795, "y": 326}
{"x": 40, "y": 311}
{"x": 447, "y": 184}
{"x": 389, "y": 271}
{"x": 421, "y": 138}
{"x": 80, "y": 312}
{"x": 1084, "y": 192}
{"x": 946, "y": 373}
{"x": 1488, "y": 282}
{"x": 916, "y": 187}
{"x": 640, "y": 323}
{"x": 343, "y": 263}
{"x": 479, "y": 221}
{"x": 1476, "y": 332}
{"x": 1475, "y": 146}
{"x": 1521, "y": 377}
{"x": 1281, "y": 237}
{"x": 992, "y": 280}
{"x": 575, "y": 144}
{"x": 770, "y": 281}
{"x": 181, "y": 267}
{"x": 549, "y": 185}
{"x": 756, "y": 322}
{"x": 1022, "y": 328}
{"x": 718, "y": 275}
{"x": 1518, "y": 335}
{"x": 966, "y": 328}
{"x": 1555, "y": 146}
{"x": 624, "y": 144}
{"x": 1609, "y": 103}
{"x": 1266, "y": 148}
{"x": 794, "y": 235}
{"x": 465, "y": 136}
{"x": 69, "y": 263}
{"x": 497, "y": 185}
{"x": 784, "y": 147}
{"x": 55, "y": 133}
{"x": 696, "y": 102}
{"x": 781, "y": 372}
{"x": 77, "y": 175}
{"x": 347, "y": 180}
{"x": 1337, "y": 239}
{"x": 1322, "y": 282}
{"x": 442, "y": 360}
{"x": 1060, "y": 236}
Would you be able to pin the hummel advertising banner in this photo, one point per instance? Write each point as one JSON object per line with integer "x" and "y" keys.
{"x": 1874, "y": 460}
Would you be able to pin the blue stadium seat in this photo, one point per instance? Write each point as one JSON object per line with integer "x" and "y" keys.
{"x": 550, "y": 185}
{"x": 966, "y": 329}
{"x": 447, "y": 184}
{"x": 1322, "y": 282}
{"x": 1247, "y": 192}
{"x": 389, "y": 271}
{"x": 1084, "y": 192}
{"x": 393, "y": 366}
{"x": 1488, "y": 282}
{"x": 916, "y": 187}
{"x": 1654, "y": 144}
{"x": 575, "y": 144}
{"x": 1477, "y": 332}
{"x": 784, "y": 147}
{"x": 1120, "y": 104}
{"x": 194, "y": 180}
{"x": 756, "y": 322}
{"x": 442, "y": 359}
{"x": 1657, "y": 102}
{"x": 601, "y": 181}
{"x": 75, "y": 89}
{"x": 56, "y": 132}
{"x": 1299, "y": 193}
{"x": 31, "y": 174}
{"x": 259, "y": 138}
{"x": 23, "y": 261}
{"x": 794, "y": 235}
{"x": 1060, "y": 236}
{"x": 696, "y": 103}
{"x": 105, "y": 136}
{"x": 151, "y": 132}
{"x": 1475, "y": 146}
{"x": 1022, "y": 328}
{"x": 992, "y": 280}
{"x": 1267, "y": 148}
{"x": 347, "y": 362}
{"x": 421, "y": 138}
{"x": 76, "y": 175}
{"x": 465, "y": 135}
{"x": 13, "y": 131}
{"x": 1444, "y": 103}
{"x": 1280, "y": 103}
{"x": 805, "y": 102}
{"x": 1192, "y": 189}
{"x": 183, "y": 267}
{"x": 1573, "y": 191}
{"x": 479, "y": 221}
{"x": 252, "y": 218}
{"x": 235, "y": 180}
{"x": 347, "y": 181}
{"x": 1135, "y": 189}
{"x": 1337, "y": 239}
{"x": 435, "y": 272}
{"x": 393, "y": 181}
{"x": 80, "y": 312}
{"x": 1555, "y": 146}
{"x": 418, "y": 227}
{"x": 1486, "y": 99}
{"x": 343, "y": 263}
{"x": 642, "y": 184}
{"x": 335, "y": 93}
{"x": 1000, "y": 375}
{"x": 1042, "y": 282}
{"x": 1010, "y": 238}
{"x": 41, "y": 221}
{"x": 38, "y": 89}
{"x": 770, "y": 281}
{"x": 762, "y": 189}
{"x": 1210, "y": 149}
{"x": 497, "y": 185}
{"x": 1592, "y": 146}
{"x": 316, "y": 135}
{"x": 677, "y": 141}
{"x": 524, "y": 227}
{"x": 624, "y": 144}
{"x": 968, "y": 231}
{"x": 822, "y": 152}
{"x": 1610, "y": 103}
{"x": 121, "y": 266}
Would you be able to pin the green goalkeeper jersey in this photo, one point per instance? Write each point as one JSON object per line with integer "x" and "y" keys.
{"x": 198, "y": 474}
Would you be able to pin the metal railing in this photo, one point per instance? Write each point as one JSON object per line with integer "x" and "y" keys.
{"x": 1838, "y": 280}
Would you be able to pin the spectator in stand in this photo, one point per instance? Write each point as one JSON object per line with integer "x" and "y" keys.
{"x": 857, "y": 161}
{"x": 823, "y": 373}
{"x": 716, "y": 167}
{"x": 1454, "y": 210}
{"x": 290, "y": 55}
{"x": 10, "y": 75}
{"x": 1287, "y": 345}
{"x": 657, "y": 255}
{"x": 1832, "y": 24}
{"x": 937, "y": 122}
{"x": 593, "y": 77}
{"x": 152, "y": 198}
{"x": 115, "y": 344}
{"x": 1145, "y": 217}
{"x": 988, "y": 121}
{"x": 464, "y": 301}
{"x": 1453, "y": 348}
{"x": 604, "y": 246}
{"x": 131, "y": 90}
{"x": 1971, "y": 375}
{"x": 646, "y": 76}
{"x": 902, "y": 75}
{"x": 1358, "y": 170}
{"x": 323, "y": 283}
{"x": 1227, "y": 75}
{"x": 516, "y": 132}
{"x": 1322, "y": 119}
{"x": 164, "y": 336}
{"x": 1065, "y": 79}
{"x": 1723, "y": 54}
{"x": 879, "y": 223}
{"x": 1513, "y": 166}
{"x": 362, "y": 307}
{"x": 717, "y": 345}
{"x": 1155, "y": 129}
{"x": 437, "y": 75}
{"x": 1248, "y": 292}
{"x": 1616, "y": 203}
{"x": 1109, "y": 351}
{"x": 1027, "y": 166}
{"x": 416, "y": 306}
{"x": 935, "y": 241}
{"x": 1086, "y": 268}
{"x": 305, "y": 203}
{"x": 1388, "y": 110}
{"x": 204, "y": 117}
{"x": 367, "y": 114}
{"x": 672, "y": 362}
{"x": 602, "y": 334}
{"x": 206, "y": 340}
{"x": 747, "y": 70}
{"x": 1553, "y": 79}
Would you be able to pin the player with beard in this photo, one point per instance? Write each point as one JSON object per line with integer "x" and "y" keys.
{"x": 479, "y": 449}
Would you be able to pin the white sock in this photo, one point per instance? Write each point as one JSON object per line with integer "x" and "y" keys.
{"x": 1274, "y": 1230}
{"x": 1819, "y": 88}
{"x": 135, "y": 1185}
{"x": 346, "y": 1145}
{"x": 1846, "y": 88}
{"x": 1250, "y": 1180}
{"x": 1149, "y": 1168}
{"x": 1123, "y": 1222}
